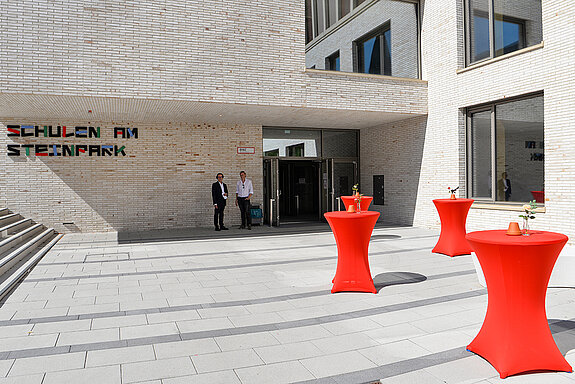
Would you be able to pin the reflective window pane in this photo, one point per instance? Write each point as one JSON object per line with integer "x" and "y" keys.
{"x": 517, "y": 25}
{"x": 319, "y": 15}
{"x": 520, "y": 152}
{"x": 370, "y": 56}
{"x": 344, "y": 6}
{"x": 387, "y": 52}
{"x": 481, "y": 154}
{"x": 291, "y": 142}
{"x": 340, "y": 143}
{"x": 479, "y": 29}
{"x": 331, "y": 12}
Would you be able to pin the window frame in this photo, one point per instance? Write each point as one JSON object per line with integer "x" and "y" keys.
{"x": 491, "y": 20}
{"x": 491, "y": 106}
{"x": 358, "y": 63}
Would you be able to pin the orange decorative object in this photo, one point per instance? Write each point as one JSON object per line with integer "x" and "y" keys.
{"x": 513, "y": 229}
{"x": 352, "y": 234}
{"x": 515, "y": 335}
{"x": 452, "y": 196}
{"x": 453, "y": 215}
{"x": 350, "y": 200}
{"x": 538, "y": 196}
{"x": 351, "y": 208}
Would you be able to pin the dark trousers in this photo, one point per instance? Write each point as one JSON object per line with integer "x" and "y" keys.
{"x": 219, "y": 216}
{"x": 245, "y": 211}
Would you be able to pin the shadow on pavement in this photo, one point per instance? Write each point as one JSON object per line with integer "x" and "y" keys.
{"x": 396, "y": 278}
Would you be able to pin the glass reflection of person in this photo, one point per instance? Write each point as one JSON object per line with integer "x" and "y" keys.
{"x": 504, "y": 186}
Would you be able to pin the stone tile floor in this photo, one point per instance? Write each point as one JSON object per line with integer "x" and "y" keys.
{"x": 252, "y": 307}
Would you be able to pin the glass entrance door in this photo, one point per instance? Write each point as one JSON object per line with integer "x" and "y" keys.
{"x": 271, "y": 192}
{"x": 299, "y": 185}
{"x": 342, "y": 175}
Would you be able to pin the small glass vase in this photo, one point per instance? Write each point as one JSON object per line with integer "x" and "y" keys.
{"x": 525, "y": 227}
{"x": 358, "y": 205}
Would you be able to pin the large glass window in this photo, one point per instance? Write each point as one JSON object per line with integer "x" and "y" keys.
{"x": 497, "y": 27}
{"x": 292, "y": 142}
{"x": 506, "y": 151}
{"x": 374, "y": 53}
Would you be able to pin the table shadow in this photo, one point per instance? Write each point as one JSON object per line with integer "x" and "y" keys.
{"x": 385, "y": 237}
{"x": 563, "y": 333}
{"x": 387, "y": 279}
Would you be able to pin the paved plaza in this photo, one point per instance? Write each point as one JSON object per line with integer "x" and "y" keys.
{"x": 252, "y": 307}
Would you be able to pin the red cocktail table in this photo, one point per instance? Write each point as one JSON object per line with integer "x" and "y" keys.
{"x": 453, "y": 214}
{"x": 515, "y": 335}
{"x": 365, "y": 201}
{"x": 352, "y": 232}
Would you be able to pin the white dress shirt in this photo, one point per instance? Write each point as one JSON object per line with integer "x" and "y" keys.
{"x": 223, "y": 191}
{"x": 244, "y": 188}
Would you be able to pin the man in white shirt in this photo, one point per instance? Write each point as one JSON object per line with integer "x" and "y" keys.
{"x": 244, "y": 192}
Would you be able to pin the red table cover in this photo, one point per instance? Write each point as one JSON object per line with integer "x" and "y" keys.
{"x": 365, "y": 201}
{"x": 515, "y": 335}
{"x": 352, "y": 232}
{"x": 453, "y": 215}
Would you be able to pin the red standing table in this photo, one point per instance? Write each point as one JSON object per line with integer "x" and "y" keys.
{"x": 453, "y": 214}
{"x": 515, "y": 335}
{"x": 365, "y": 201}
{"x": 352, "y": 232}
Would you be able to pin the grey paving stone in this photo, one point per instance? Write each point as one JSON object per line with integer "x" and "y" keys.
{"x": 98, "y": 346}
{"x": 245, "y": 341}
{"x": 119, "y": 321}
{"x": 5, "y": 366}
{"x": 28, "y": 342}
{"x": 165, "y": 317}
{"x": 61, "y": 326}
{"x": 153, "y": 340}
{"x": 140, "y": 331}
{"x": 86, "y": 337}
{"x": 343, "y": 343}
{"x": 221, "y": 377}
{"x": 28, "y": 379}
{"x": 330, "y": 365}
{"x": 287, "y": 352}
{"x": 157, "y": 369}
{"x": 279, "y": 373}
{"x": 303, "y": 333}
{"x": 186, "y": 348}
{"x": 120, "y": 355}
{"x": 226, "y": 360}
{"x": 85, "y": 376}
{"x": 50, "y": 363}
{"x": 38, "y": 352}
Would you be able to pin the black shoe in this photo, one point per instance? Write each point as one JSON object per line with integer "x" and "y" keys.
{"x": 242, "y": 227}
{"x": 249, "y": 227}
{"x": 224, "y": 228}
{"x": 217, "y": 229}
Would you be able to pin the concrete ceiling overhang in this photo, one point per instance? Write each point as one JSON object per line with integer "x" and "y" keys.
{"x": 67, "y": 108}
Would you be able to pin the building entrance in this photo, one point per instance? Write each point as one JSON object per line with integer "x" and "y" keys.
{"x": 303, "y": 190}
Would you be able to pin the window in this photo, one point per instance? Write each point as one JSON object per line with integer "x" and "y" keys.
{"x": 506, "y": 151}
{"x": 497, "y": 27}
{"x": 332, "y": 62}
{"x": 373, "y": 52}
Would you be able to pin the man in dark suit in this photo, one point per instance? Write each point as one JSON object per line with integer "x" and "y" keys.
{"x": 219, "y": 197}
{"x": 504, "y": 186}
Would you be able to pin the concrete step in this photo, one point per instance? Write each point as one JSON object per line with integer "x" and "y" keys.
{"x": 24, "y": 265}
{"x": 9, "y": 218}
{"x": 4, "y": 211}
{"x": 14, "y": 227}
{"x": 9, "y": 260}
{"x": 13, "y": 241}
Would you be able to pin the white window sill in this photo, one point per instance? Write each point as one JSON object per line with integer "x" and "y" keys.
{"x": 499, "y": 58}
{"x": 503, "y": 207}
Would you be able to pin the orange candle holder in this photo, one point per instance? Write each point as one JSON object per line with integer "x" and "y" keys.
{"x": 513, "y": 229}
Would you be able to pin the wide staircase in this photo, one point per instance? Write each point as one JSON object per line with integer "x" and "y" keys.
{"x": 22, "y": 244}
